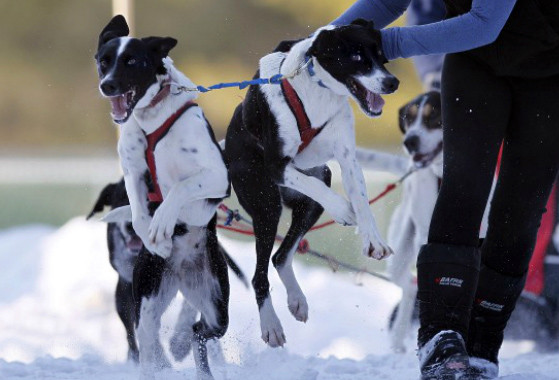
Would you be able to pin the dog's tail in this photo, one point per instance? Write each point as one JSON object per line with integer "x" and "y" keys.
{"x": 233, "y": 265}
{"x": 104, "y": 199}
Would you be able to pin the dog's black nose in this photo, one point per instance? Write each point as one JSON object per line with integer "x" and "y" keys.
{"x": 109, "y": 88}
{"x": 411, "y": 143}
{"x": 390, "y": 84}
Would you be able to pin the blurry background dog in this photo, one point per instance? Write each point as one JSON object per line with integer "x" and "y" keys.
{"x": 124, "y": 246}
{"x": 420, "y": 123}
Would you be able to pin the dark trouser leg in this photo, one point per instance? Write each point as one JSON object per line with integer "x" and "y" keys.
{"x": 475, "y": 106}
{"x": 528, "y": 170}
{"x": 494, "y": 303}
{"x": 447, "y": 281}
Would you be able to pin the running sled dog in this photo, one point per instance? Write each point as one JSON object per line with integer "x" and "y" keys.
{"x": 175, "y": 177}
{"x": 280, "y": 138}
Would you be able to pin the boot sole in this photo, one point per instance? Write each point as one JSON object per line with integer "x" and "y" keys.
{"x": 455, "y": 367}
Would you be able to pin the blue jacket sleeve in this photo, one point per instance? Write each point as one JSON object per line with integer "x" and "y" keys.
{"x": 479, "y": 27}
{"x": 382, "y": 12}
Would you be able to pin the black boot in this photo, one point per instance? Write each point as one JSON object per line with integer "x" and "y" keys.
{"x": 447, "y": 279}
{"x": 494, "y": 303}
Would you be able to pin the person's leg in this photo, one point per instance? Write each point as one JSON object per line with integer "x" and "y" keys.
{"x": 528, "y": 170}
{"x": 475, "y": 106}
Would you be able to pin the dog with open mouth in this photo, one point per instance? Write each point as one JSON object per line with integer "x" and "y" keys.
{"x": 280, "y": 138}
{"x": 175, "y": 178}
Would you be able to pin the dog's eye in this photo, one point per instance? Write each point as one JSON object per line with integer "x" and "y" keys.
{"x": 103, "y": 63}
{"x": 131, "y": 61}
{"x": 380, "y": 55}
{"x": 356, "y": 57}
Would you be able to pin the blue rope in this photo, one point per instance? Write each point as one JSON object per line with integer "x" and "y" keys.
{"x": 276, "y": 79}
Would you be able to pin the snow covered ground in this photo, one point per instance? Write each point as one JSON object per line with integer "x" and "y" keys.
{"x": 57, "y": 319}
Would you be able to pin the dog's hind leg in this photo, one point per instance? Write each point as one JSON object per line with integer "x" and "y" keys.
{"x": 124, "y": 300}
{"x": 203, "y": 332}
{"x": 181, "y": 341}
{"x": 265, "y": 229}
{"x": 305, "y": 213}
{"x": 153, "y": 291}
{"x": 260, "y": 197}
{"x": 401, "y": 232}
{"x": 402, "y": 322}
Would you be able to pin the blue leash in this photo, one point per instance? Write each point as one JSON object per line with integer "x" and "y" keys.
{"x": 276, "y": 79}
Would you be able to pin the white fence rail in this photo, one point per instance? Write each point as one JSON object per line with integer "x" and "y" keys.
{"x": 58, "y": 170}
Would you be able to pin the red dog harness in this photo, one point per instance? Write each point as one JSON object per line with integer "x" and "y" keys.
{"x": 306, "y": 131}
{"x": 152, "y": 139}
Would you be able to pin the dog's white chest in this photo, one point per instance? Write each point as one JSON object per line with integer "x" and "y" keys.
{"x": 189, "y": 259}
{"x": 174, "y": 160}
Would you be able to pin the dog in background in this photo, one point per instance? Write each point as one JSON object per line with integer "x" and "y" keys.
{"x": 421, "y": 125}
{"x": 124, "y": 247}
{"x": 175, "y": 178}
{"x": 280, "y": 138}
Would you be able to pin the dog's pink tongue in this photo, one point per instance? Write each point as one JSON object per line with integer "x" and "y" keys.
{"x": 135, "y": 244}
{"x": 376, "y": 102}
{"x": 119, "y": 107}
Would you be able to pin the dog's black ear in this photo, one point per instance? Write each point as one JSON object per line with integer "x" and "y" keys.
{"x": 363, "y": 22}
{"x": 324, "y": 43}
{"x": 117, "y": 27}
{"x": 159, "y": 47}
{"x": 105, "y": 199}
{"x": 435, "y": 96}
{"x": 285, "y": 46}
{"x": 402, "y": 119}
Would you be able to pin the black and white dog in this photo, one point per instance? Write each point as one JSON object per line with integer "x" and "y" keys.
{"x": 124, "y": 247}
{"x": 421, "y": 125}
{"x": 281, "y": 137}
{"x": 175, "y": 177}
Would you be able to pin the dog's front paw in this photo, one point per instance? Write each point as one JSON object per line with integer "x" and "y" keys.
{"x": 162, "y": 225}
{"x": 342, "y": 212}
{"x": 272, "y": 332}
{"x": 298, "y": 307}
{"x": 162, "y": 248}
{"x": 375, "y": 248}
{"x": 274, "y": 336}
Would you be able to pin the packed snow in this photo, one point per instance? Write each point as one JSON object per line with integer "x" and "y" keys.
{"x": 58, "y": 321}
